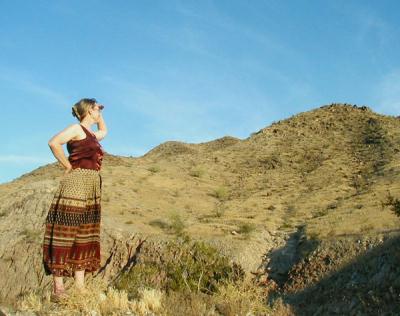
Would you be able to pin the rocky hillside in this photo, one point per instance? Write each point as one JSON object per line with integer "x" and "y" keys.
{"x": 316, "y": 176}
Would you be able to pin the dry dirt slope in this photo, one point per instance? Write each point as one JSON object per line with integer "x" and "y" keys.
{"x": 327, "y": 170}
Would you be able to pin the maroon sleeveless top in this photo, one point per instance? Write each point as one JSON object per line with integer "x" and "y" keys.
{"x": 85, "y": 153}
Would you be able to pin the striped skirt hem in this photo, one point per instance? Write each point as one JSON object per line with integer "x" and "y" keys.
{"x": 72, "y": 229}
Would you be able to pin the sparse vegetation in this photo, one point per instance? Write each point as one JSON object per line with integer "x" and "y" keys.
{"x": 311, "y": 160}
{"x": 154, "y": 169}
{"x": 366, "y": 228}
{"x": 246, "y": 228}
{"x": 393, "y": 203}
{"x": 197, "y": 172}
{"x": 135, "y": 189}
{"x": 219, "y": 209}
{"x": 290, "y": 209}
{"x": 31, "y": 235}
{"x": 373, "y": 149}
{"x": 159, "y": 223}
{"x": 121, "y": 181}
{"x": 99, "y": 300}
{"x": 176, "y": 193}
{"x": 184, "y": 266}
{"x": 320, "y": 213}
{"x": 177, "y": 224}
{"x": 332, "y": 206}
{"x": 272, "y": 161}
{"x": 221, "y": 193}
{"x": 286, "y": 225}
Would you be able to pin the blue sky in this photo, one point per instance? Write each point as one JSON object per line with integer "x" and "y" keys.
{"x": 191, "y": 71}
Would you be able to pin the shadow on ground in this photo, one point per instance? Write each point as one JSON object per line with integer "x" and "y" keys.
{"x": 366, "y": 285}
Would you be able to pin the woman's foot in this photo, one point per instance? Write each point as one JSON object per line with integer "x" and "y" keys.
{"x": 58, "y": 295}
{"x": 81, "y": 289}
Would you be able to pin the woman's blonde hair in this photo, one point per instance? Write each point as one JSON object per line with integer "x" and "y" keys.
{"x": 81, "y": 108}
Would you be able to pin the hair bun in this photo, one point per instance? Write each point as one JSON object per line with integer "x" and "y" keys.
{"x": 75, "y": 113}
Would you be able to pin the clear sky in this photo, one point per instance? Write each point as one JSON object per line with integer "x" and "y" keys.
{"x": 190, "y": 71}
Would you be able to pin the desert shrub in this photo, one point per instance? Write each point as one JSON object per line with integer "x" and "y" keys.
{"x": 177, "y": 225}
{"x": 332, "y": 206}
{"x": 197, "y": 172}
{"x": 159, "y": 223}
{"x": 270, "y": 162}
{"x": 286, "y": 225}
{"x": 359, "y": 182}
{"x": 311, "y": 160}
{"x": 239, "y": 298}
{"x": 183, "y": 266}
{"x": 291, "y": 209}
{"x": 366, "y": 227}
{"x": 154, "y": 169}
{"x": 242, "y": 298}
{"x": 219, "y": 209}
{"x": 393, "y": 203}
{"x": 221, "y": 193}
{"x": 31, "y": 235}
{"x": 373, "y": 133}
{"x": 319, "y": 213}
{"x": 246, "y": 228}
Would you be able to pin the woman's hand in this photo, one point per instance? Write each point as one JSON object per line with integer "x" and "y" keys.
{"x": 99, "y": 117}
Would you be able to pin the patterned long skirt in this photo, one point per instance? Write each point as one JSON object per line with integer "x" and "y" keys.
{"x": 72, "y": 235}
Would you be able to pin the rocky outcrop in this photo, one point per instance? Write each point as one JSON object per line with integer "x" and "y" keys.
{"x": 22, "y": 228}
{"x": 352, "y": 275}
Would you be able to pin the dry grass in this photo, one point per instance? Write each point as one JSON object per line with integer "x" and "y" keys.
{"x": 99, "y": 300}
{"x": 243, "y": 298}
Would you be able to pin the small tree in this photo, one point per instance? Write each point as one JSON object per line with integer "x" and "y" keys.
{"x": 393, "y": 203}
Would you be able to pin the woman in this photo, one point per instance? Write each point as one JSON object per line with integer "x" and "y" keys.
{"x": 71, "y": 242}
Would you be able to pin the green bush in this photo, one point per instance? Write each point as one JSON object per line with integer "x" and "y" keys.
{"x": 159, "y": 223}
{"x": 177, "y": 225}
{"x": 246, "y": 228}
{"x": 197, "y": 172}
{"x": 154, "y": 169}
{"x": 393, "y": 203}
{"x": 184, "y": 266}
{"x": 221, "y": 193}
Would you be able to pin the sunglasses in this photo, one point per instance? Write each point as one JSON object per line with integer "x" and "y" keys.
{"x": 99, "y": 107}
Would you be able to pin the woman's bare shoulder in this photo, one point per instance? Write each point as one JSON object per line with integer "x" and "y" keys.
{"x": 75, "y": 125}
{"x": 70, "y": 132}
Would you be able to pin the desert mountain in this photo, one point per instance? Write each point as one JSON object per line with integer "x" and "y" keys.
{"x": 320, "y": 175}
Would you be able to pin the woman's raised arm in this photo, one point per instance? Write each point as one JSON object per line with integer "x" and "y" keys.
{"x": 102, "y": 128}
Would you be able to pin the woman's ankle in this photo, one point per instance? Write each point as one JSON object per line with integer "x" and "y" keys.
{"x": 59, "y": 290}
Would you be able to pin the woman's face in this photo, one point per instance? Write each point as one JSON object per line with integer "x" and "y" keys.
{"x": 95, "y": 111}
